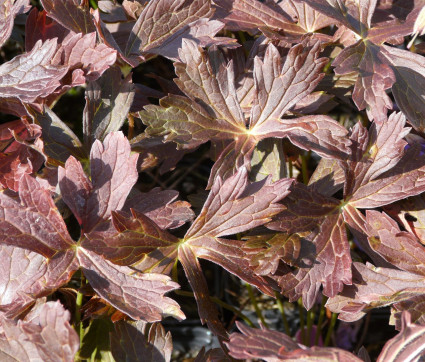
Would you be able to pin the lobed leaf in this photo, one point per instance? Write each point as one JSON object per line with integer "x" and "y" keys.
{"x": 34, "y": 223}
{"x": 140, "y": 296}
{"x": 235, "y": 206}
{"x": 108, "y": 101}
{"x": 31, "y": 75}
{"x": 79, "y": 22}
{"x": 127, "y": 239}
{"x": 48, "y": 336}
{"x": 113, "y": 174}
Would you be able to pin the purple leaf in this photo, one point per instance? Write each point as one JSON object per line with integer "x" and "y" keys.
{"x": 127, "y": 238}
{"x": 108, "y": 101}
{"x": 235, "y": 206}
{"x": 32, "y": 74}
{"x": 9, "y": 9}
{"x": 79, "y": 22}
{"x": 34, "y": 223}
{"x": 408, "y": 345}
{"x": 140, "y": 296}
{"x": 48, "y": 336}
{"x": 113, "y": 174}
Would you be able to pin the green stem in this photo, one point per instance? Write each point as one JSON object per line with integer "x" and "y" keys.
{"x": 301, "y": 313}
{"x": 290, "y": 169}
{"x": 175, "y": 272}
{"x": 282, "y": 312}
{"x": 256, "y": 307}
{"x": 221, "y": 303}
{"x": 320, "y": 321}
{"x": 93, "y": 4}
{"x": 78, "y": 304}
{"x": 304, "y": 168}
{"x": 310, "y": 319}
{"x": 330, "y": 329}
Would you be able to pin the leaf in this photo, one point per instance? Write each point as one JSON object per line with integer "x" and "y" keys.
{"x": 79, "y": 22}
{"x": 128, "y": 238}
{"x": 327, "y": 178}
{"x": 28, "y": 275}
{"x": 159, "y": 206}
{"x": 249, "y": 15}
{"x": 130, "y": 341}
{"x": 60, "y": 142}
{"x": 374, "y": 287}
{"x": 154, "y": 25}
{"x": 268, "y": 158}
{"x": 140, "y": 296}
{"x": 403, "y": 180}
{"x": 414, "y": 306}
{"x": 203, "y": 77}
{"x": 113, "y": 174}
{"x": 33, "y": 223}
{"x": 374, "y": 77}
{"x": 48, "y": 336}
{"x": 327, "y": 262}
{"x": 230, "y": 255}
{"x": 399, "y": 248}
{"x": 408, "y": 88}
{"x": 234, "y": 206}
{"x": 185, "y": 122}
{"x": 206, "y": 308}
{"x": 40, "y": 27}
{"x": 407, "y": 345}
{"x": 18, "y": 158}
{"x": 108, "y": 101}
{"x": 86, "y": 59}
{"x": 317, "y": 133}
{"x": 95, "y": 343}
{"x": 31, "y": 75}
{"x": 277, "y": 87}
{"x": 259, "y": 343}
{"x": 274, "y": 346}
{"x": 410, "y": 213}
{"x": 9, "y": 9}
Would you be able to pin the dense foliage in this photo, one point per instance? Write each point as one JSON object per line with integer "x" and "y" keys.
{"x": 307, "y": 118}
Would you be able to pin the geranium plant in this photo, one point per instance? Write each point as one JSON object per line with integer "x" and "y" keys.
{"x": 293, "y": 132}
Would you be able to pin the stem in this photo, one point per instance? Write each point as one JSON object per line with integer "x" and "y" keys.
{"x": 221, "y": 303}
{"x": 304, "y": 168}
{"x": 175, "y": 272}
{"x": 320, "y": 321}
{"x": 330, "y": 329}
{"x": 290, "y": 169}
{"x": 130, "y": 126}
{"x": 78, "y": 304}
{"x": 256, "y": 307}
{"x": 301, "y": 313}
{"x": 282, "y": 312}
{"x": 310, "y": 319}
{"x": 93, "y": 4}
